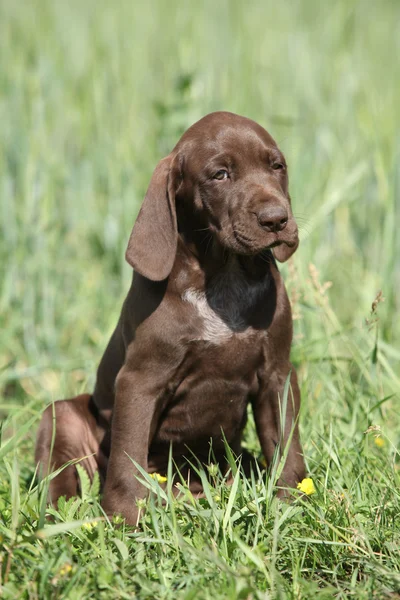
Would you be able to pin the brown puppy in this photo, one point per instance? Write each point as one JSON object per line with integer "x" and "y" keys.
{"x": 205, "y": 329}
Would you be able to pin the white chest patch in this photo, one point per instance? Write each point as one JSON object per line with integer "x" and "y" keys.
{"x": 214, "y": 329}
{"x": 222, "y": 308}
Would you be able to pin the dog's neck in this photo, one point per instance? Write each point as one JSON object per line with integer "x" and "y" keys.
{"x": 215, "y": 259}
{"x": 237, "y": 288}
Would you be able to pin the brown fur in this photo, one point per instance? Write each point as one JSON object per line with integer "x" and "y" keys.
{"x": 205, "y": 329}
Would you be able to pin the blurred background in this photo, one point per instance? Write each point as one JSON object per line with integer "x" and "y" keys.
{"x": 94, "y": 93}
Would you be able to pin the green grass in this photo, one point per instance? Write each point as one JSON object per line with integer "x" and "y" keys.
{"x": 92, "y": 94}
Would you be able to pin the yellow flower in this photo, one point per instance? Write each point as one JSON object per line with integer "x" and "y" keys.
{"x": 90, "y": 525}
{"x": 307, "y": 486}
{"x": 379, "y": 441}
{"x": 65, "y": 569}
{"x": 158, "y": 477}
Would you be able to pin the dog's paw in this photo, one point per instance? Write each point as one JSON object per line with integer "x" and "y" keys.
{"x": 119, "y": 512}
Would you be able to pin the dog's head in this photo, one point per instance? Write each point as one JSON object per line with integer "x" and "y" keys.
{"x": 230, "y": 174}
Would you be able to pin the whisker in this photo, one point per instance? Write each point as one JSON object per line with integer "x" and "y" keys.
{"x": 202, "y": 229}
{"x": 206, "y": 238}
{"x": 305, "y": 228}
{"x": 265, "y": 255}
{"x": 208, "y": 245}
{"x": 301, "y": 216}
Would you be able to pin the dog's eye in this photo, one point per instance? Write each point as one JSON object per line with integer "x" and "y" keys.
{"x": 278, "y": 166}
{"x": 221, "y": 174}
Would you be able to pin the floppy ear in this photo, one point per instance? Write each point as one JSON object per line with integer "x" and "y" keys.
{"x": 283, "y": 252}
{"x": 152, "y": 244}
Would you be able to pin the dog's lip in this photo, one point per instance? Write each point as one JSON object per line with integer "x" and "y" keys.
{"x": 242, "y": 239}
{"x": 248, "y": 243}
{"x": 289, "y": 243}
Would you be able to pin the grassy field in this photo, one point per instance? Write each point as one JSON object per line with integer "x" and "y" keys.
{"x": 92, "y": 94}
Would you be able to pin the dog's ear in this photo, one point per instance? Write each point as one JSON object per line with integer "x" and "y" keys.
{"x": 284, "y": 252}
{"x": 152, "y": 244}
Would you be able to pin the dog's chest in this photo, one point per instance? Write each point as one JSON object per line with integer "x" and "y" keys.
{"x": 210, "y": 326}
{"x": 222, "y": 310}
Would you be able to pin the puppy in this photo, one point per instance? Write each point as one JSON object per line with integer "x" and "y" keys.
{"x": 205, "y": 329}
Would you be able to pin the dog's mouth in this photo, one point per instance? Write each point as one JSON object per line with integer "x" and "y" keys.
{"x": 243, "y": 240}
{"x": 246, "y": 245}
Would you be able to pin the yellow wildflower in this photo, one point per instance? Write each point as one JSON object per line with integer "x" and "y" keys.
{"x": 65, "y": 569}
{"x": 158, "y": 477}
{"x": 90, "y": 525}
{"x": 307, "y": 486}
{"x": 379, "y": 441}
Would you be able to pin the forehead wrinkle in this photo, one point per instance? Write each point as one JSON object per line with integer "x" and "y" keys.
{"x": 253, "y": 152}
{"x": 245, "y": 142}
{"x": 221, "y": 159}
{"x": 230, "y": 142}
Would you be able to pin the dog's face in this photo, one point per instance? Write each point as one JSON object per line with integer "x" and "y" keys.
{"x": 235, "y": 176}
{"x": 228, "y": 174}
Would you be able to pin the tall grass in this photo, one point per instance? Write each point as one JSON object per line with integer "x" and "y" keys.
{"x": 92, "y": 95}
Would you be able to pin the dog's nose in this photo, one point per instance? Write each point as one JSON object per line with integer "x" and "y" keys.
{"x": 272, "y": 218}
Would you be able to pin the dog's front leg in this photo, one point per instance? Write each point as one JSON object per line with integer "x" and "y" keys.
{"x": 277, "y": 425}
{"x": 135, "y": 407}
